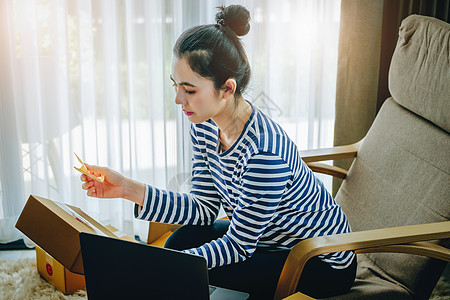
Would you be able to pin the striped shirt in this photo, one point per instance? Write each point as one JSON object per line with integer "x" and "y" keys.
{"x": 272, "y": 198}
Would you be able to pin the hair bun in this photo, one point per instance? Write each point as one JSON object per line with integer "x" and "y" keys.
{"x": 236, "y": 17}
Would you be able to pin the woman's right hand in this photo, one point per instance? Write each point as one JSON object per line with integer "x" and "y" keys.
{"x": 111, "y": 187}
{"x": 115, "y": 185}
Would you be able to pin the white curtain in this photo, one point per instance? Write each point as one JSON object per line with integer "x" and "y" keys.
{"x": 92, "y": 77}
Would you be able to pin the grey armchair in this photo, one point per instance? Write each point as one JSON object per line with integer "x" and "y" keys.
{"x": 397, "y": 191}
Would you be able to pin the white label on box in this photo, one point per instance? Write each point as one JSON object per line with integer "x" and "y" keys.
{"x": 48, "y": 259}
{"x": 48, "y": 264}
{"x": 79, "y": 218}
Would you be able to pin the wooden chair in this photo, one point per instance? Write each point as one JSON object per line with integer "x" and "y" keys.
{"x": 397, "y": 191}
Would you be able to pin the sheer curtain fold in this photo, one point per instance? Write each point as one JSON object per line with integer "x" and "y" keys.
{"x": 10, "y": 152}
{"x": 92, "y": 77}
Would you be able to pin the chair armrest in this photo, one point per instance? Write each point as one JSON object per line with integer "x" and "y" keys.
{"x": 418, "y": 248}
{"x": 327, "y": 169}
{"x": 298, "y": 296}
{"x": 378, "y": 240}
{"x": 335, "y": 153}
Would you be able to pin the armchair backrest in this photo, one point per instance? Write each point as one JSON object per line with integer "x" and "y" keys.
{"x": 401, "y": 175}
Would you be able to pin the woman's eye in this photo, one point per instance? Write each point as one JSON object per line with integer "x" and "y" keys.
{"x": 190, "y": 92}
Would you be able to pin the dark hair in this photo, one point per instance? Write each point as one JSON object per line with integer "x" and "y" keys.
{"x": 215, "y": 51}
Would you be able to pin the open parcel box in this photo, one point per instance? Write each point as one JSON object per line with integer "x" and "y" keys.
{"x": 55, "y": 227}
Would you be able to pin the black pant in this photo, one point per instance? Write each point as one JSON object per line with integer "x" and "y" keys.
{"x": 258, "y": 275}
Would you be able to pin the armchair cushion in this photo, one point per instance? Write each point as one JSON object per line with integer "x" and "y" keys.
{"x": 419, "y": 74}
{"x": 372, "y": 283}
{"x": 402, "y": 166}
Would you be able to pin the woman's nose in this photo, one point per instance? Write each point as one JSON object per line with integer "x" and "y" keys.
{"x": 179, "y": 99}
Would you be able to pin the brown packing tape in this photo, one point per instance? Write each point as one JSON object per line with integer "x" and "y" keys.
{"x": 97, "y": 225}
{"x": 119, "y": 234}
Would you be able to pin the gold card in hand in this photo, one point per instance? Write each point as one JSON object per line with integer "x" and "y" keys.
{"x": 85, "y": 171}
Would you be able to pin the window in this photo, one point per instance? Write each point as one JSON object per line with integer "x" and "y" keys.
{"x": 92, "y": 77}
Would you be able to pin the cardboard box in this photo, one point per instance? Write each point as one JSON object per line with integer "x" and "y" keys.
{"x": 158, "y": 233}
{"x": 55, "y": 273}
{"x": 55, "y": 227}
{"x": 59, "y": 276}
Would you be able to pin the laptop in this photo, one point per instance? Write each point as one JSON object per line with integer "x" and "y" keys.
{"x": 118, "y": 269}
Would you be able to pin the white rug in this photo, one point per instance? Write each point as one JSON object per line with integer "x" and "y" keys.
{"x": 19, "y": 279}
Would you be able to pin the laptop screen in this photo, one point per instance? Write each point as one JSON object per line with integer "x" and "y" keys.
{"x": 117, "y": 269}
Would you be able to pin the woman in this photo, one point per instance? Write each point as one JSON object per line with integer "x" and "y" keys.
{"x": 245, "y": 162}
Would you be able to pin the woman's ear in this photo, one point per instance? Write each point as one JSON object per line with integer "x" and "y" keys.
{"x": 229, "y": 88}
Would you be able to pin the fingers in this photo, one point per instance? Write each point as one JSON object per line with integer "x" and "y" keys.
{"x": 96, "y": 174}
{"x": 91, "y": 192}
{"x": 87, "y": 185}
{"x": 85, "y": 178}
{"x": 94, "y": 169}
{"x": 90, "y": 188}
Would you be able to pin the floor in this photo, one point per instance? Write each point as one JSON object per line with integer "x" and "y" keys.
{"x": 17, "y": 254}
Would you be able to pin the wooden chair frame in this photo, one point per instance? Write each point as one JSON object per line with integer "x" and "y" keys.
{"x": 405, "y": 239}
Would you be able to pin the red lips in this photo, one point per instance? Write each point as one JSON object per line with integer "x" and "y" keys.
{"x": 188, "y": 113}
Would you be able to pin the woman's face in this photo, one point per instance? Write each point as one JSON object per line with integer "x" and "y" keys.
{"x": 196, "y": 95}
